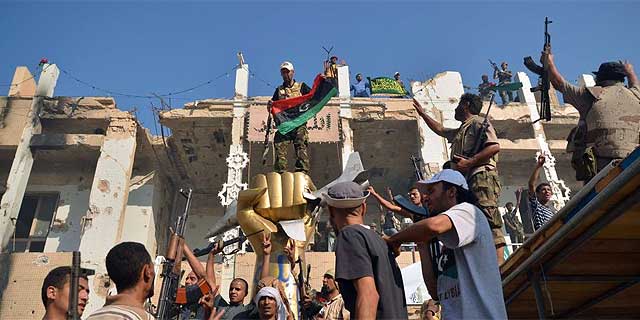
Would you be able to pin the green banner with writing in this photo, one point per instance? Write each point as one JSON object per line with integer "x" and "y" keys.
{"x": 385, "y": 85}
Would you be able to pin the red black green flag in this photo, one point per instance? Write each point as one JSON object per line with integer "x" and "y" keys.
{"x": 294, "y": 112}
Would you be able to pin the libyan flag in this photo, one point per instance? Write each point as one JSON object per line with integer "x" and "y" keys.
{"x": 386, "y": 85}
{"x": 291, "y": 113}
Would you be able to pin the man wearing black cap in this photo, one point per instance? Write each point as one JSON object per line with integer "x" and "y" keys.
{"x": 610, "y": 111}
{"x": 366, "y": 269}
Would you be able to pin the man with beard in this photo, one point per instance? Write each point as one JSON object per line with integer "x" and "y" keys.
{"x": 467, "y": 283}
{"x": 55, "y": 293}
{"x": 334, "y": 308}
{"x": 542, "y": 209}
{"x": 480, "y": 168}
{"x": 130, "y": 267}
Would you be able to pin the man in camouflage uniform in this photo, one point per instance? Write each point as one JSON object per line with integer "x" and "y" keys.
{"x": 300, "y": 136}
{"x": 484, "y": 88}
{"x": 480, "y": 168}
{"x": 504, "y": 77}
{"x": 609, "y": 114}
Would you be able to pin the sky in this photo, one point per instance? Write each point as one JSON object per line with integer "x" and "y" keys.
{"x": 141, "y": 48}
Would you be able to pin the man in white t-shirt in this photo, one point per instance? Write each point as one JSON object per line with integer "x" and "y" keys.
{"x": 467, "y": 278}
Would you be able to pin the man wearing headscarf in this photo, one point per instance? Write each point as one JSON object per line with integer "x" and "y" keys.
{"x": 270, "y": 305}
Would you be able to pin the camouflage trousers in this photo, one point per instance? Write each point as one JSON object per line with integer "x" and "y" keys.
{"x": 300, "y": 139}
{"x": 485, "y": 185}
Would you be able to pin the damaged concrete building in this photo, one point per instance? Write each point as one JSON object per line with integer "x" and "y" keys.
{"x": 77, "y": 173}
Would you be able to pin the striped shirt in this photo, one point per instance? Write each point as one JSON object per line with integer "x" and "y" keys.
{"x": 120, "y": 312}
{"x": 539, "y": 212}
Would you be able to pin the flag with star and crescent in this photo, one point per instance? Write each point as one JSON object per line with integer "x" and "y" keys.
{"x": 294, "y": 112}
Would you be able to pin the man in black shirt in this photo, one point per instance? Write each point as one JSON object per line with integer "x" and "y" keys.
{"x": 366, "y": 270}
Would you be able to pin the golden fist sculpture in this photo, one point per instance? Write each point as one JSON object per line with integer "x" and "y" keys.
{"x": 271, "y": 199}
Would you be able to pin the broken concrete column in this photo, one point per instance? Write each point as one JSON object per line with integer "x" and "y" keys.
{"x": 439, "y": 97}
{"x": 23, "y": 160}
{"x": 346, "y": 140}
{"x": 23, "y": 83}
{"x": 139, "y": 221}
{"x": 102, "y": 226}
{"x": 561, "y": 193}
{"x": 344, "y": 87}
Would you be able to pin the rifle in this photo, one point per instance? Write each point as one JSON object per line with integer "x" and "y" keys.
{"x": 479, "y": 141}
{"x": 544, "y": 83}
{"x": 72, "y": 310}
{"x": 221, "y": 244}
{"x": 172, "y": 264}
{"x": 494, "y": 65}
{"x": 266, "y": 139}
{"x": 301, "y": 289}
{"x": 416, "y": 167}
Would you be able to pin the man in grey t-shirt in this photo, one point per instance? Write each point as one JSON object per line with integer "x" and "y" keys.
{"x": 467, "y": 279}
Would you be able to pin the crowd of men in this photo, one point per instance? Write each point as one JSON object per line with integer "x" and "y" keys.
{"x": 461, "y": 241}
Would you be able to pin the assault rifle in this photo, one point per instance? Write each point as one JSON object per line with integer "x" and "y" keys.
{"x": 544, "y": 83}
{"x": 221, "y": 244}
{"x": 494, "y": 65}
{"x": 416, "y": 167}
{"x": 74, "y": 285}
{"x": 72, "y": 310}
{"x": 172, "y": 264}
{"x": 302, "y": 290}
{"x": 266, "y": 138}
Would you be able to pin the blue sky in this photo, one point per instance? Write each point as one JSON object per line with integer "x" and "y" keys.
{"x": 144, "y": 47}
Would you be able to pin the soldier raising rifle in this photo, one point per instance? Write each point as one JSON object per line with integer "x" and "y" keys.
{"x": 480, "y": 167}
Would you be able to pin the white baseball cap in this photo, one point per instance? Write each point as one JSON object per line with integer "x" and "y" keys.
{"x": 448, "y": 175}
{"x": 287, "y": 65}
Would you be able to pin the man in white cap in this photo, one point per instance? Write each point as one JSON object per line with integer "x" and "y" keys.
{"x": 366, "y": 270}
{"x": 300, "y": 136}
{"x": 467, "y": 282}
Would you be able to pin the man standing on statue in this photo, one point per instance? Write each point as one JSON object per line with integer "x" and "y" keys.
{"x": 481, "y": 168}
{"x": 300, "y": 136}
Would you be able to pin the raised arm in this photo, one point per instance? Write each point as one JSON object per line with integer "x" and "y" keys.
{"x": 387, "y": 204}
{"x": 554, "y": 75}
{"x": 434, "y": 125}
{"x": 367, "y": 297}
{"x": 211, "y": 265}
{"x": 533, "y": 179}
{"x": 266, "y": 254}
{"x": 195, "y": 264}
{"x": 632, "y": 78}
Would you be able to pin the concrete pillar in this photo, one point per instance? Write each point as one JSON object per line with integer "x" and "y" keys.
{"x": 561, "y": 193}
{"x": 344, "y": 94}
{"x": 23, "y": 160}
{"x": 439, "y": 97}
{"x": 102, "y": 226}
{"x": 23, "y": 83}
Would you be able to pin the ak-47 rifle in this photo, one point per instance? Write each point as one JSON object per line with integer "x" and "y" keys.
{"x": 266, "y": 138}
{"x": 221, "y": 244}
{"x": 172, "y": 264}
{"x": 302, "y": 291}
{"x": 416, "y": 167}
{"x": 494, "y": 65}
{"x": 72, "y": 310}
{"x": 544, "y": 83}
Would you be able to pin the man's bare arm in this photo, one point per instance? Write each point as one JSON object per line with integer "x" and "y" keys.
{"x": 434, "y": 125}
{"x": 557, "y": 80}
{"x": 195, "y": 264}
{"x": 367, "y": 298}
{"x": 632, "y": 78}
{"x": 533, "y": 179}
{"x": 427, "y": 269}
{"x": 421, "y": 231}
{"x": 266, "y": 254}
{"x": 489, "y": 151}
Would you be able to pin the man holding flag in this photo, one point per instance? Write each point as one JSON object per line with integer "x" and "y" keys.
{"x": 292, "y": 104}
